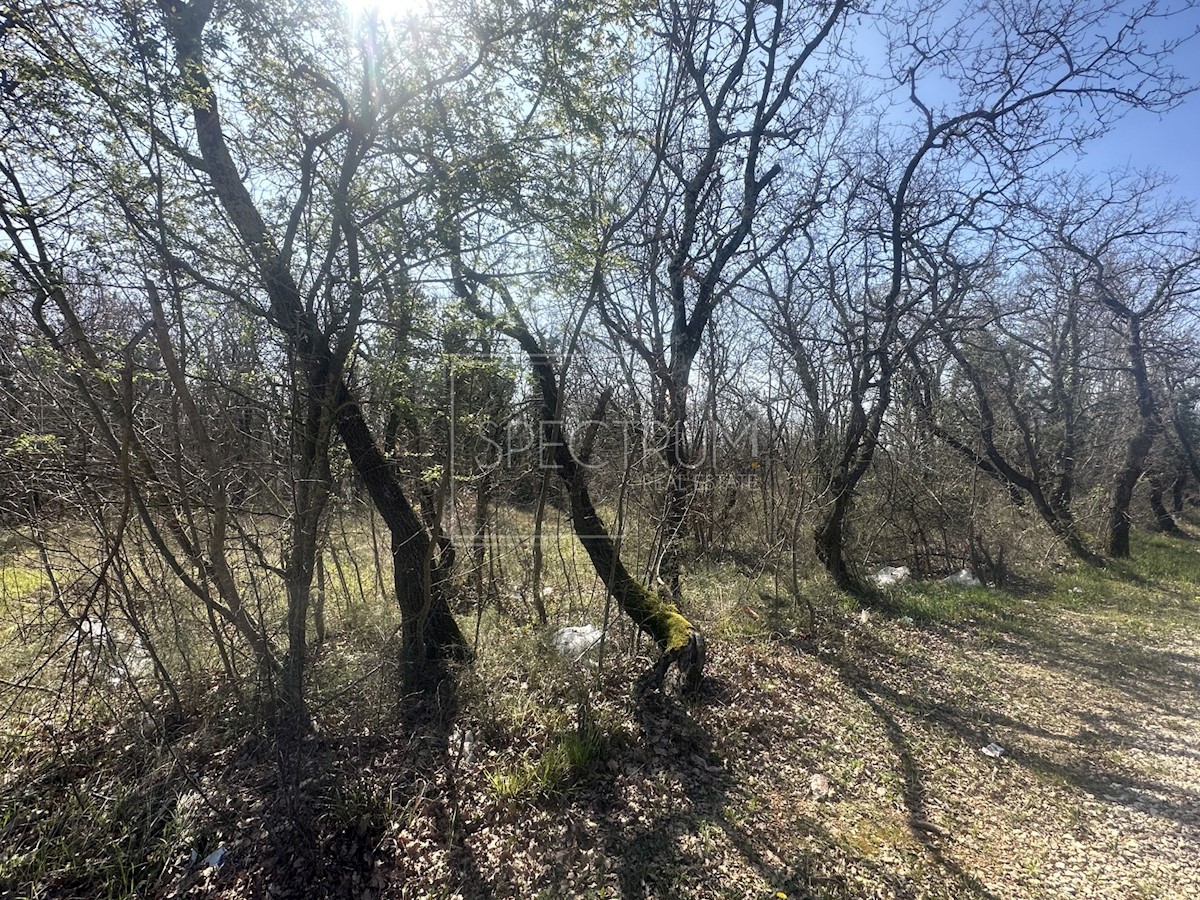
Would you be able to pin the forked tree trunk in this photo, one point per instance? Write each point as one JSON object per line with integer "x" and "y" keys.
{"x": 430, "y": 633}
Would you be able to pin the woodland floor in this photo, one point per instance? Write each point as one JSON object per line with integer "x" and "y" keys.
{"x": 844, "y": 763}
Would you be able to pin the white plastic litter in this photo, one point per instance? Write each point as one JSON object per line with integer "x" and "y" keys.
{"x": 890, "y": 575}
{"x": 214, "y": 859}
{"x": 93, "y": 627}
{"x": 466, "y": 741}
{"x": 122, "y": 655}
{"x": 575, "y": 640}
{"x": 994, "y": 750}
{"x": 963, "y": 578}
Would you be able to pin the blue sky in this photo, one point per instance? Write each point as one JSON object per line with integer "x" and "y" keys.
{"x": 1169, "y": 143}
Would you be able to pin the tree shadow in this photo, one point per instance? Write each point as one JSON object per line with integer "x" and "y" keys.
{"x": 710, "y": 805}
{"x": 976, "y": 722}
{"x": 345, "y": 792}
{"x": 926, "y": 834}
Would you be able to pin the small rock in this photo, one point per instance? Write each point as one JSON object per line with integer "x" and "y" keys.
{"x": 821, "y": 787}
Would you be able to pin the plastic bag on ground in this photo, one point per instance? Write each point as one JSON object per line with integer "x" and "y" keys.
{"x": 575, "y": 640}
{"x": 963, "y": 578}
{"x": 887, "y": 576}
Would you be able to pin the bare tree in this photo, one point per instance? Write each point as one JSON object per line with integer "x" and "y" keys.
{"x": 743, "y": 101}
{"x": 1015, "y": 83}
{"x": 1139, "y": 261}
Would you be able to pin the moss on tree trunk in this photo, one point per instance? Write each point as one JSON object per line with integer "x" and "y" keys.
{"x": 678, "y": 641}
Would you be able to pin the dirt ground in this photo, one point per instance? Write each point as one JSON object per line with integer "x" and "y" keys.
{"x": 849, "y": 765}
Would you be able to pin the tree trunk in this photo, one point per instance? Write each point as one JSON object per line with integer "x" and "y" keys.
{"x": 1178, "y": 484}
{"x": 319, "y": 600}
{"x": 830, "y": 542}
{"x": 1054, "y": 505}
{"x": 678, "y": 502}
{"x": 410, "y": 543}
{"x": 1138, "y": 451}
{"x": 441, "y": 638}
{"x": 539, "y": 517}
{"x": 483, "y": 497}
{"x": 1163, "y": 520}
{"x": 678, "y": 641}
{"x": 1119, "y": 523}
{"x": 676, "y": 638}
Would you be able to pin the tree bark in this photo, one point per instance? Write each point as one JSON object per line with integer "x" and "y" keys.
{"x": 829, "y": 539}
{"x": 1138, "y": 451}
{"x": 1178, "y": 485}
{"x": 1163, "y": 520}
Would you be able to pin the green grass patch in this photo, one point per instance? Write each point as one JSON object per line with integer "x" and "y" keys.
{"x": 936, "y": 602}
{"x": 19, "y": 583}
{"x": 1156, "y": 589}
{"x": 82, "y": 830}
{"x": 569, "y": 756}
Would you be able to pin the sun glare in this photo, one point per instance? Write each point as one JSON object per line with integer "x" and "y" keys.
{"x": 388, "y": 9}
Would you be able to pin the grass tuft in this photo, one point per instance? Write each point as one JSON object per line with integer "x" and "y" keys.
{"x": 569, "y": 757}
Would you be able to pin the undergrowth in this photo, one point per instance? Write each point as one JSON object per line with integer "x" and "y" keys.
{"x": 114, "y": 803}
